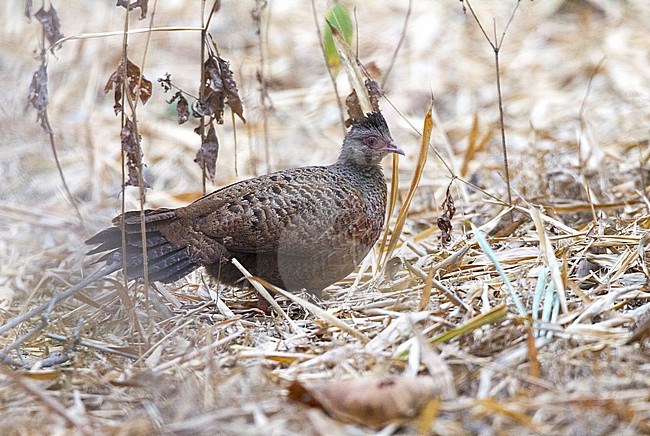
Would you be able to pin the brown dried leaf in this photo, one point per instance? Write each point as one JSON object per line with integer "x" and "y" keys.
{"x": 208, "y": 153}
{"x": 38, "y": 96}
{"x": 374, "y": 92}
{"x": 182, "y": 107}
{"x": 444, "y": 222}
{"x": 132, "y": 80}
{"x": 129, "y": 6}
{"x": 355, "y": 112}
{"x": 220, "y": 89}
{"x": 232, "y": 94}
{"x": 372, "y": 401}
{"x": 50, "y": 22}
{"x": 131, "y": 148}
{"x": 213, "y": 100}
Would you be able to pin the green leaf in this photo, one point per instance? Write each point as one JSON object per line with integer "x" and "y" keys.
{"x": 339, "y": 17}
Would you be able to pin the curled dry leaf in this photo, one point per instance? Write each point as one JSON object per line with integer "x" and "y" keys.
{"x": 208, "y": 153}
{"x": 220, "y": 89}
{"x": 444, "y": 222}
{"x": 354, "y": 106}
{"x": 131, "y": 148}
{"x": 355, "y": 112}
{"x": 182, "y": 107}
{"x": 132, "y": 81}
{"x": 372, "y": 401}
{"x": 38, "y": 96}
{"x": 232, "y": 94}
{"x": 131, "y": 5}
{"x": 50, "y": 22}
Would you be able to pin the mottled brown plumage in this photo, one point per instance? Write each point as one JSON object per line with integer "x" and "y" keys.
{"x": 303, "y": 228}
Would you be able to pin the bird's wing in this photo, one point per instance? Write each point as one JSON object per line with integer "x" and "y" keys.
{"x": 291, "y": 210}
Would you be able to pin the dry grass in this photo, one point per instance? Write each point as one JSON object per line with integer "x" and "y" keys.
{"x": 194, "y": 359}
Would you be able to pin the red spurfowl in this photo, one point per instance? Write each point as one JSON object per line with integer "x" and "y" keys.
{"x": 300, "y": 229}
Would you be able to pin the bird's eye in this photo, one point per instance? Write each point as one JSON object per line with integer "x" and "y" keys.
{"x": 372, "y": 141}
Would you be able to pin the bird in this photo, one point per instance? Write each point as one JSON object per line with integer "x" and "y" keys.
{"x": 301, "y": 229}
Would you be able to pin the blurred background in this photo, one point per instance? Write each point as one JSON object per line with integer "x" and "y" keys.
{"x": 549, "y": 55}
{"x": 575, "y": 78}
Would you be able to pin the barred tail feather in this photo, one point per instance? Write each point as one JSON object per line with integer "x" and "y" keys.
{"x": 166, "y": 261}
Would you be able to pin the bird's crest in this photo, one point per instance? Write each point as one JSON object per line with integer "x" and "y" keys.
{"x": 372, "y": 121}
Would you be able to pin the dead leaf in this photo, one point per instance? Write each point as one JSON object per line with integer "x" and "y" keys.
{"x": 232, "y": 94}
{"x": 51, "y": 25}
{"x": 355, "y": 112}
{"x": 182, "y": 107}
{"x": 373, "y": 401}
{"x": 444, "y": 222}
{"x": 129, "y": 6}
{"x": 208, "y": 153}
{"x": 131, "y": 148}
{"x": 132, "y": 81}
{"x": 220, "y": 89}
{"x": 38, "y": 96}
{"x": 354, "y": 109}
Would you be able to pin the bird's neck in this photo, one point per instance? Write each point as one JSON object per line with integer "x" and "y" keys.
{"x": 351, "y": 159}
{"x": 352, "y": 166}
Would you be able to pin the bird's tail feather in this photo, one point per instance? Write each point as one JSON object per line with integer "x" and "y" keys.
{"x": 166, "y": 261}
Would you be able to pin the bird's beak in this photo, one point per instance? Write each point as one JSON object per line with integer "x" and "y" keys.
{"x": 391, "y": 147}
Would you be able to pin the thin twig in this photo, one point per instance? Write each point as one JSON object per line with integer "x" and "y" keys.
{"x": 22, "y": 339}
{"x": 356, "y": 32}
{"x": 48, "y": 128}
{"x": 91, "y": 344}
{"x": 496, "y": 47}
{"x": 141, "y": 181}
{"x": 204, "y": 31}
{"x": 583, "y": 124}
{"x": 62, "y": 176}
{"x": 399, "y": 44}
{"x": 261, "y": 5}
{"x": 61, "y": 297}
{"x": 327, "y": 66}
{"x": 215, "y": 5}
{"x": 503, "y": 127}
{"x": 435, "y": 151}
{"x": 126, "y": 98}
{"x": 583, "y": 108}
{"x": 93, "y": 35}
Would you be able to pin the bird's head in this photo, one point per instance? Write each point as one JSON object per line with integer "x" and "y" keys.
{"x": 368, "y": 141}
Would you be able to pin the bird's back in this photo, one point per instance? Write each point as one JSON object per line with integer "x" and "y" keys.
{"x": 303, "y": 228}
